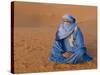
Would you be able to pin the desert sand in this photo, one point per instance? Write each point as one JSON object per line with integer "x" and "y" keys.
{"x": 35, "y": 26}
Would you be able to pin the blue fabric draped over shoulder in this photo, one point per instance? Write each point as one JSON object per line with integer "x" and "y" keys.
{"x": 62, "y": 44}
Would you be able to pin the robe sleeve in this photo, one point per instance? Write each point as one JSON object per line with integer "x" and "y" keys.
{"x": 79, "y": 39}
{"x": 57, "y": 48}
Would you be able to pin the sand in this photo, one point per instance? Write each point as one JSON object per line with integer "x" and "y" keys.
{"x": 33, "y": 37}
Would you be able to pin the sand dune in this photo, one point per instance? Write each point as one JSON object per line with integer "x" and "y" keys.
{"x": 38, "y": 14}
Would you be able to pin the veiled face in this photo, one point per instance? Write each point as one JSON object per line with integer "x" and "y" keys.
{"x": 66, "y": 21}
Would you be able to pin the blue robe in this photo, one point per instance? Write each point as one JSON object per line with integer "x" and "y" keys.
{"x": 61, "y": 46}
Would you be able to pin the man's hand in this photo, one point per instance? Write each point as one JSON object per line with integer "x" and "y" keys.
{"x": 67, "y": 54}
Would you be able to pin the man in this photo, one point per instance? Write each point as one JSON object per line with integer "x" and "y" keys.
{"x": 68, "y": 46}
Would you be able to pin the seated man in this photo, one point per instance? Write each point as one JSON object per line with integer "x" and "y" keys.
{"x": 68, "y": 46}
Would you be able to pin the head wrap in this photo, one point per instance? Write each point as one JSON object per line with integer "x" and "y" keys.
{"x": 65, "y": 30}
{"x": 69, "y": 17}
